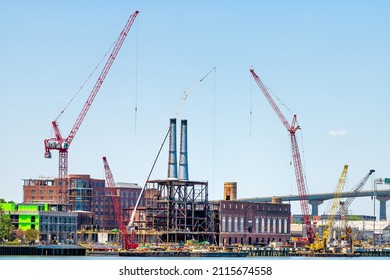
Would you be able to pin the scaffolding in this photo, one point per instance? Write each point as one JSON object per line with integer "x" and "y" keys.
{"x": 178, "y": 210}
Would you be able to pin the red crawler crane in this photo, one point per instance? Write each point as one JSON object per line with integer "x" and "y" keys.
{"x": 128, "y": 239}
{"x": 62, "y": 144}
{"x": 296, "y": 157}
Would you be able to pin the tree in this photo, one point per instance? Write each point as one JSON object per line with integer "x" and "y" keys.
{"x": 6, "y": 228}
{"x": 20, "y": 235}
{"x": 32, "y": 235}
{"x": 354, "y": 218}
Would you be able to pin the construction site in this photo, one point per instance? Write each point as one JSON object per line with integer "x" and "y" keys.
{"x": 173, "y": 212}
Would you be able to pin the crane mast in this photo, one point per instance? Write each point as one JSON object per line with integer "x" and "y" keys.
{"x": 128, "y": 239}
{"x": 292, "y": 128}
{"x": 62, "y": 144}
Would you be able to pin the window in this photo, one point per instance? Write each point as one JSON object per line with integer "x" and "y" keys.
{"x": 51, "y": 192}
{"x": 230, "y": 224}
{"x": 250, "y": 224}
{"x": 274, "y": 225}
{"x": 235, "y": 229}
{"x": 257, "y": 225}
{"x": 280, "y": 225}
{"x": 285, "y": 225}
{"x": 262, "y": 225}
{"x": 268, "y": 225}
{"x": 242, "y": 224}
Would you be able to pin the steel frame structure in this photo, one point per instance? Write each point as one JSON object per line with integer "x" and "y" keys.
{"x": 178, "y": 210}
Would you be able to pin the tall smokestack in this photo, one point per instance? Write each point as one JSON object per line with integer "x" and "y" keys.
{"x": 183, "y": 164}
{"x": 172, "y": 161}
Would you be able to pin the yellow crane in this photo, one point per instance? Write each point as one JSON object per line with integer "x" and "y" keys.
{"x": 319, "y": 244}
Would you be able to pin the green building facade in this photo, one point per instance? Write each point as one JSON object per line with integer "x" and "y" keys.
{"x": 53, "y": 224}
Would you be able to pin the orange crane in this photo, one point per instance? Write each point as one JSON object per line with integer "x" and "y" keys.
{"x": 292, "y": 128}
{"x": 62, "y": 144}
{"x": 128, "y": 239}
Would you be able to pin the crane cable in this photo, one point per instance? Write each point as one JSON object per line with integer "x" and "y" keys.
{"x": 86, "y": 80}
{"x": 250, "y": 108}
{"x": 186, "y": 94}
{"x": 136, "y": 83}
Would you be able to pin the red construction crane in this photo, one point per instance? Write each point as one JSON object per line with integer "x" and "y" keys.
{"x": 128, "y": 239}
{"x": 62, "y": 144}
{"x": 292, "y": 128}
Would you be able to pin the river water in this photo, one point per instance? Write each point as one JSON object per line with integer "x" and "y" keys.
{"x": 115, "y": 267}
{"x": 96, "y": 258}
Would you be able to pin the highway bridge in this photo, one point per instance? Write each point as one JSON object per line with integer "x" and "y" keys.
{"x": 317, "y": 199}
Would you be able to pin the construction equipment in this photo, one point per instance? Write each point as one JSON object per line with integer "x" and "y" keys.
{"x": 320, "y": 243}
{"x": 179, "y": 108}
{"x": 128, "y": 239}
{"x": 62, "y": 144}
{"x": 356, "y": 190}
{"x": 342, "y": 213}
{"x": 292, "y": 128}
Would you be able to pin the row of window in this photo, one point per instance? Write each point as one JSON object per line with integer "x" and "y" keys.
{"x": 269, "y": 207}
{"x": 42, "y": 192}
{"x": 262, "y": 225}
{"x": 51, "y": 219}
{"x": 52, "y": 228}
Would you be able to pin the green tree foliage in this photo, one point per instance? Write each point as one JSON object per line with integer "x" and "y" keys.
{"x": 32, "y": 235}
{"x": 6, "y": 228}
{"x": 354, "y": 218}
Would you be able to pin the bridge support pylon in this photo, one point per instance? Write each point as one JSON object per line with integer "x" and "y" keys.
{"x": 382, "y": 207}
{"x": 314, "y": 206}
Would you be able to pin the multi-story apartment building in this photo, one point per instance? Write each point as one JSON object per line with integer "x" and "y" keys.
{"x": 82, "y": 193}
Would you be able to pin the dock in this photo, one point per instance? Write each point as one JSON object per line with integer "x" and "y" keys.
{"x": 43, "y": 250}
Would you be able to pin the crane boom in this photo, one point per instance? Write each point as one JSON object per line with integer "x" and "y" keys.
{"x": 296, "y": 157}
{"x": 355, "y": 191}
{"x": 320, "y": 244}
{"x": 102, "y": 76}
{"x": 177, "y": 113}
{"x": 128, "y": 240}
{"x": 62, "y": 144}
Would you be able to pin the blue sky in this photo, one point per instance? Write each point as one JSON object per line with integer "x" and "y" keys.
{"x": 328, "y": 61}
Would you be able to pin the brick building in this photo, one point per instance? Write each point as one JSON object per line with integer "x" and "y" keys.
{"x": 82, "y": 193}
{"x": 253, "y": 223}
